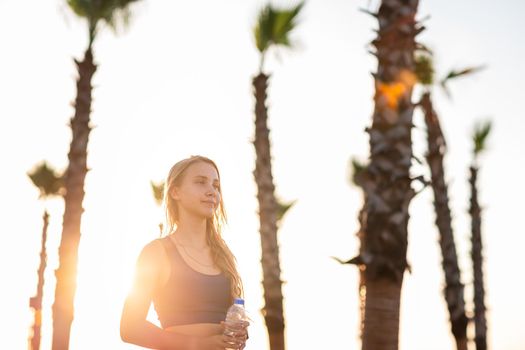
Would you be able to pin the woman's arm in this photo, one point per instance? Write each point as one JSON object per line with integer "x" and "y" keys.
{"x": 134, "y": 328}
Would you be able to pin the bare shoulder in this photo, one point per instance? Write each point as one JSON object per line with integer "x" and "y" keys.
{"x": 153, "y": 254}
{"x": 153, "y": 248}
{"x": 151, "y": 263}
{"x": 148, "y": 271}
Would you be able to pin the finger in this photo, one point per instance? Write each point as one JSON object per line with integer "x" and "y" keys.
{"x": 236, "y": 342}
{"x": 233, "y": 345}
{"x": 241, "y": 337}
{"x": 230, "y": 339}
{"x": 221, "y": 345}
{"x": 242, "y": 345}
{"x": 242, "y": 334}
{"x": 228, "y": 344}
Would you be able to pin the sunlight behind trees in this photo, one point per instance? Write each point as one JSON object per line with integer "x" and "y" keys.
{"x": 174, "y": 85}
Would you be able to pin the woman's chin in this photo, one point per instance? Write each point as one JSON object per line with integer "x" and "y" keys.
{"x": 208, "y": 214}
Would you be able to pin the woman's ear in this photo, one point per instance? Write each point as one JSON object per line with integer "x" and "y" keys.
{"x": 174, "y": 193}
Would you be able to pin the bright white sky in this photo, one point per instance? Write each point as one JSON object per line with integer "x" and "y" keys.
{"x": 177, "y": 83}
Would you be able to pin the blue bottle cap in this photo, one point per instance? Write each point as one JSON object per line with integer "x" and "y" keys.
{"x": 238, "y": 301}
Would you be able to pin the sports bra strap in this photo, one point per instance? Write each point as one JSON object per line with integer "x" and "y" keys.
{"x": 169, "y": 247}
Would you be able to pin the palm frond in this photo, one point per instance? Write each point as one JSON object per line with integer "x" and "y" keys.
{"x": 49, "y": 181}
{"x": 158, "y": 191}
{"x": 274, "y": 26}
{"x": 479, "y": 137}
{"x": 358, "y": 169}
{"x": 368, "y": 12}
{"x": 112, "y": 12}
{"x": 282, "y": 208}
{"x": 453, "y": 74}
{"x": 425, "y": 69}
{"x": 285, "y": 23}
{"x": 263, "y": 28}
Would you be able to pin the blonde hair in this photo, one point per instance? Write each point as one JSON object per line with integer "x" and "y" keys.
{"x": 221, "y": 254}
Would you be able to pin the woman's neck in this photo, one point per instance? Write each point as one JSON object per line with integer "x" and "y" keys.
{"x": 192, "y": 232}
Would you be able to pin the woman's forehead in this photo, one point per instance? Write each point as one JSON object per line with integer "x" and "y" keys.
{"x": 202, "y": 169}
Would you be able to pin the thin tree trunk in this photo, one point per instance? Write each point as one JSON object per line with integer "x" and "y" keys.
{"x": 273, "y": 297}
{"x": 480, "y": 320}
{"x": 388, "y": 183}
{"x": 36, "y": 301}
{"x": 454, "y": 289}
{"x": 74, "y": 184}
{"x": 362, "y": 274}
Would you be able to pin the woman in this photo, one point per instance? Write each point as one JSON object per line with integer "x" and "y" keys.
{"x": 190, "y": 274}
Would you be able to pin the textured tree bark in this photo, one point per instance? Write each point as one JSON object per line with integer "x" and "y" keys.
{"x": 74, "y": 184}
{"x": 36, "y": 301}
{"x": 480, "y": 320}
{"x": 362, "y": 270}
{"x": 382, "y": 313}
{"x": 273, "y": 297}
{"x": 454, "y": 289}
{"x": 387, "y": 181}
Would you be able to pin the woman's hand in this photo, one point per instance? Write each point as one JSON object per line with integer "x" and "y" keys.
{"x": 242, "y": 335}
{"x": 219, "y": 342}
{"x": 212, "y": 342}
{"x": 238, "y": 339}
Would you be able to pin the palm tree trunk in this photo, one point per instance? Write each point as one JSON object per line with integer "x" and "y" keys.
{"x": 36, "y": 301}
{"x": 453, "y": 292}
{"x": 273, "y": 297}
{"x": 388, "y": 183}
{"x": 383, "y": 297}
{"x": 480, "y": 320}
{"x": 74, "y": 184}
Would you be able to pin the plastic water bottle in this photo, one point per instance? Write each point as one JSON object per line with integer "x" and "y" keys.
{"x": 235, "y": 316}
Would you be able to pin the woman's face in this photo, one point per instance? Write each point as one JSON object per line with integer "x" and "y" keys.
{"x": 199, "y": 192}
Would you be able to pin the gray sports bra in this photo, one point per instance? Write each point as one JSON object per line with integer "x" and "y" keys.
{"x": 190, "y": 296}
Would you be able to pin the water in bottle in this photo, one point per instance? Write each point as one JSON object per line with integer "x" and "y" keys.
{"x": 235, "y": 316}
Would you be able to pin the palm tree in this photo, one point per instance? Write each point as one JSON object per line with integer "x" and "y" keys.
{"x": 49, "y": 184}
{"x": 272, "y": 29}
{"x": 386, "y": 181}
{"x": 95, "y": 12}
{"x": 158, "y": 191}
{"x": 454, "y": 289}
{"x": 480, "y": 322}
